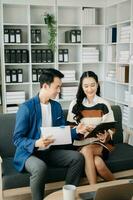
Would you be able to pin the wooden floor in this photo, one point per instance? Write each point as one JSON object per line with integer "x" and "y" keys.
{"x": 25, "y": 196}
{"x": 22, "y": 197}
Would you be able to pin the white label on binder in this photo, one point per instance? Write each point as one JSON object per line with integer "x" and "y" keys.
{"x": 20, "y": 77}
{"x": 8, "y": 79}
{"x": 78, "y": 38}
{"x": 12, "y": 38}
{"x": 18, "y": 39}
{"x": 14, "y": 78}
{"x": 65, "y": 57}
{"x": 6, "y": 38}
{"x": 73, "y": 38}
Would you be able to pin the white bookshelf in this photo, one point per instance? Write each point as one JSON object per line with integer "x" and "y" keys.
{"x": 120, "y": 15}
{"x": 95, "y": 34}
{"x": 29, "y": 15}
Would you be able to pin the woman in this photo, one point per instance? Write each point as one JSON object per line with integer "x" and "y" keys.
{"x": 88, "y": 110}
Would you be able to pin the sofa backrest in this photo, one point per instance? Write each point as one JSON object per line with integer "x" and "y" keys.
{"x": 118, "y": 136}
{"x": 7, "y": 124}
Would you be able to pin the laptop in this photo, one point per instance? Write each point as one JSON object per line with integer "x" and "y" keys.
{"x": 114, "y": 192}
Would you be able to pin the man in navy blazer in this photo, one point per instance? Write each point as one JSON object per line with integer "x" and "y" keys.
{"x": 42, "y": 110}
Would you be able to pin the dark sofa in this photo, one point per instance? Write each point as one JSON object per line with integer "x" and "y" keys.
{"x": 120, "y": 160}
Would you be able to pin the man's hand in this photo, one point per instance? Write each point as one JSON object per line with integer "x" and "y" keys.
{"x": 44, "y": 142}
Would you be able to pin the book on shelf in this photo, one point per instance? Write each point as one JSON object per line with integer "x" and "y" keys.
{"x": 91, "y": 137}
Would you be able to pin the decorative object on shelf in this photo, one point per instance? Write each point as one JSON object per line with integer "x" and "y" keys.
{"x": 49, "y": 19}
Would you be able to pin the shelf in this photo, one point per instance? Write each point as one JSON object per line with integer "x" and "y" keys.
{"x": 16, "y": 44}
{"x": 69, "y": 63}
{"x": 69, "y": 44}
{"x": 17, "y": 84}
{"x": 26, "y": 17}
{"x": 69, "y": 25}
{"x": 15, "y": 24}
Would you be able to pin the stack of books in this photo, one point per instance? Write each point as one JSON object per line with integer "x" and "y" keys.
{"x": 15, "y": 97}
{"x": 12, "y": 109}
{"x": 125, "y": 34}
{"x": 89, "y": 16}
{"x": 69, "y": 75}
{"x": 122, "y": 73}
{"x": 68, "y": 93}
{"x": 111, "y": 75}
{"x": 111, "y": 53}
{"x": 129, "y": 98}
{"x": 125, "y": 114}
{"x": 90, "y": 54}
{"x": 131, "y": 59}
{"x": 124, "y": 56}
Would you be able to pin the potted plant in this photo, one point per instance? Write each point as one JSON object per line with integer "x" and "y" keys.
{"x": 49, "y": 19}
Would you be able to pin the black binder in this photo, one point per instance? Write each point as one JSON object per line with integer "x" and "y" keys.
{"x": 70, "y": 36}
{"x": 34, "y": 75}
{"x": 14, "y": 76}
{"x": 12, "y": 36}
{"x": 7, "y": 56}
{"x": 44, "y": 56}
{"x": 65, "y": 55}
{"x": 61, "y": 55}
{"x": 25, "y": 56}
{"x": 38, "y": 35}
{"x": 12, "y": 55}
{"x": 39, "y": 71}
{"x": 6, "y": 35}
{"x": 18, "y": 56}
{"x": 33, "y": 36}
{"x": 33, "y": 55}
{"x": 8, "y": 76}
{"x": 20, "y": 75}
{"x": 49, "y": 56}
{"x": 78, "y": 36}
{"x": 38, "y": 56}
{"x": 18, "y": 35}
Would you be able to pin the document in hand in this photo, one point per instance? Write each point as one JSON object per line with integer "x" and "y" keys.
{"x": 60, "y": 134}
{"x": 100, "y": 128}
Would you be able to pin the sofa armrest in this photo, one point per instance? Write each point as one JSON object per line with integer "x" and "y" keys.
{"x": 127, "y": 133}
{"x": 0, "y": 179}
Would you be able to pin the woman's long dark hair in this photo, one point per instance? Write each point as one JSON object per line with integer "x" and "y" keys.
{"x": 80, "y": 94}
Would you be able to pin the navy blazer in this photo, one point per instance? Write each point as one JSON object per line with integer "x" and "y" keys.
{"x": 27, "y": 128}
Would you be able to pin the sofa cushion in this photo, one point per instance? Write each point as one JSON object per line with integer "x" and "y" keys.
{"x": 121, "y": 158}
{"x": 13, "y": 179}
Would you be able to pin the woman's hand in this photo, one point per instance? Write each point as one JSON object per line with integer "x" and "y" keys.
{"x": 44, "y": 142}
{"x": 90, "y": 127}
{"x": 103, "y": 137}
{"x": 81, "y": 128}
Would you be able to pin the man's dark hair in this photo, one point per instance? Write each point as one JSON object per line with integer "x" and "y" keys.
{"x": 48, "y": 75}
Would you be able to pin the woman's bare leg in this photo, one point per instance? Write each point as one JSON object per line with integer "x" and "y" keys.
{"x": 89, "y": 153}
{"x": 102, "y": 169}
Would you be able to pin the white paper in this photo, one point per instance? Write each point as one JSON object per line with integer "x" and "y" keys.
{"x": 60, "y": 134}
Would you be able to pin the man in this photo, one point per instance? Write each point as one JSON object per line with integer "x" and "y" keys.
{"x": 39, "y": 111}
